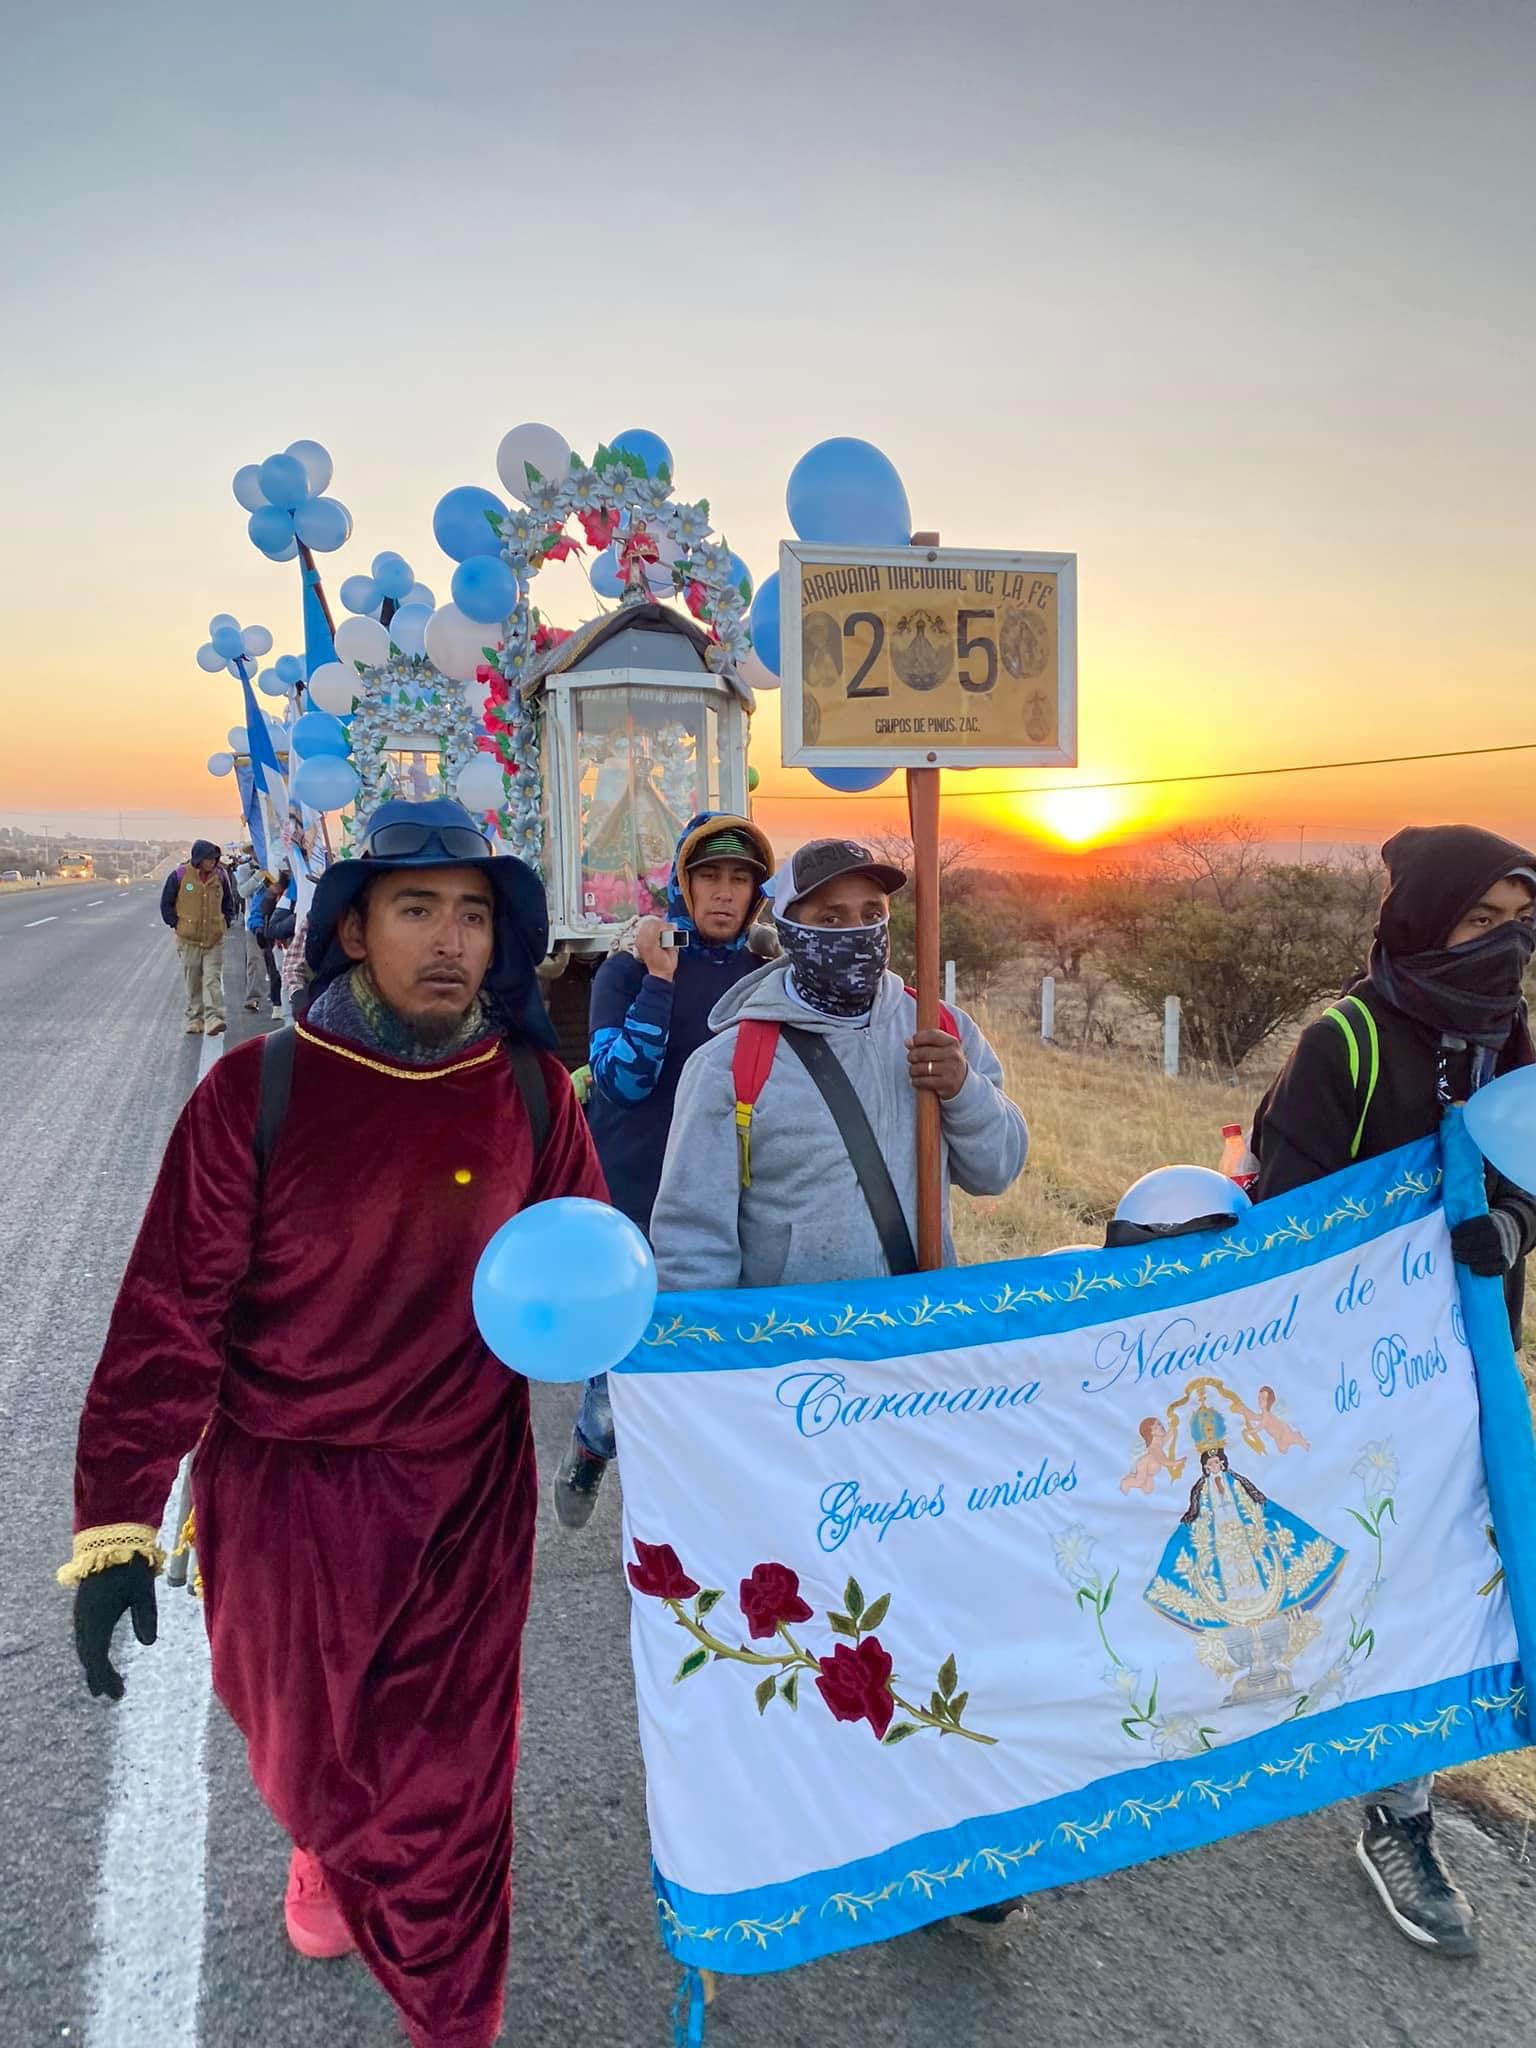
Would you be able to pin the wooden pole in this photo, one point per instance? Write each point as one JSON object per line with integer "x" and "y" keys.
{"x": 923, "y": 811}
{"x": 923, "y": 807}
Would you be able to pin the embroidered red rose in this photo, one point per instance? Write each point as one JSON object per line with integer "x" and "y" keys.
{"x": 770, "y": 1596}
{"x": 855, "y": 1682}
{"x": 657, "y": 1572}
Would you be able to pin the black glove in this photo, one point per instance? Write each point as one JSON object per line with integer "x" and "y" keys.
{"x": 101, "y": 1601}
{"x": 1489, "y": 1245}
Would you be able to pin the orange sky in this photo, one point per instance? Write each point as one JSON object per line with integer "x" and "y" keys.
{"x": 1244, "y": 328}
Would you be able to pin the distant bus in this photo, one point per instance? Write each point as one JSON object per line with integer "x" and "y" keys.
{"x": 76, "y": 867}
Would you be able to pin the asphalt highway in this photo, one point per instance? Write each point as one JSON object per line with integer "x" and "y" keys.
{"x": 140, "y": 1879}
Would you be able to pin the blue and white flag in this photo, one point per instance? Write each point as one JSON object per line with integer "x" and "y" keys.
{"x": 981, "y": 1582}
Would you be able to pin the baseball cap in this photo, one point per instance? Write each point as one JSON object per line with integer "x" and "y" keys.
{"x": 731, "y": 843}
{"x": 823, "y": 860}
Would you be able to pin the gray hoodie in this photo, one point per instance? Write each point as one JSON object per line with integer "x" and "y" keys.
{"x": 804, "y": 1218}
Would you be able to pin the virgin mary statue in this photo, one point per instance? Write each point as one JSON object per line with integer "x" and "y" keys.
{"x": 1240, "y": 1563}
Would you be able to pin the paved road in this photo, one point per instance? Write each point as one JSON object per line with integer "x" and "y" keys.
{"x": 172, "y": 1938}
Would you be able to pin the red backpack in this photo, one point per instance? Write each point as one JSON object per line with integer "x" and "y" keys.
{"x": 757, "y": 1040}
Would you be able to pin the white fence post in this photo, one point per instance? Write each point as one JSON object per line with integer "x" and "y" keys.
{"x": 1048, "y": 1009}
{"x": 1172, "y": 1012}
{"x": 949, "y": 982}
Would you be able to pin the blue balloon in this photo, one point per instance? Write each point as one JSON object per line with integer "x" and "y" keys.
{"x": 394, "y": 575}
{"x": 564, "y": 1290}
{"x": 288, "y": 669}
{"x": 484, "y": 589}
{"x": 324, "y": 783}
{"x": 852, "y": 781}
{"x": 1501, "y": 1122}
{"x": 846, "y": 492}
{"x": 740, "y": 574}
{"x": 271, "y": 529}
{"x": 362, "y": 595}
{"x": 284, "y": 481}
{"x": 763, "y": 620}
{"x": 650, "y": 448}
{"x": 318, "y": 733}
{"x": 324, "y": 524}
{"x": 227, "y": 642}
{"x": 460, "y": 524}
{"x": 605, "y": 577}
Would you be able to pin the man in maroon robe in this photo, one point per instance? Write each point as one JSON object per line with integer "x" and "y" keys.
{"x": 364, "y": 1482}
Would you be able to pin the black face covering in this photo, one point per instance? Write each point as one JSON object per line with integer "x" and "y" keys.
{"x": 1470, "y": 992}
{"x": 1436, "y": 875}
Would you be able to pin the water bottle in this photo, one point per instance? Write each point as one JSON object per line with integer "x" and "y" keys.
{"x": 1237, "y": 1162}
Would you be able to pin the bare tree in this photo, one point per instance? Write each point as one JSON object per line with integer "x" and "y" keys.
{"x": 1218, "y": 861}
{"x": 896, "y": 848}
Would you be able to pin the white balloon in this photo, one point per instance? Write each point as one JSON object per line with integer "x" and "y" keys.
{"x": 235, "y": 670}
{"x": 239, "y": 739}
{"x": 549, "y": 452}
{"x": 755, "y": 675}
{"x": 316, "y": 461}
{"x": 334, "y": 688}
{"x": 271, "y": 684}
{"x": 285, "y": 554}
{"x": 362, "y": 640}
{"x": 480, "y": 786}
{"x": 419, "y": 594}
{"x": 220, "y": 620}
{"x": 220, "y": 764}
{"x": 256, "y": 641}
{"x": 209, "y": 658}
{"x": 455, "y": 645}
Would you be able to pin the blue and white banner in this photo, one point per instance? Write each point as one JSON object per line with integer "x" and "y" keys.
{"x": 981, "y": 1582}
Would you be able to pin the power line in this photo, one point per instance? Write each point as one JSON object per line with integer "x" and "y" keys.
{"x": 1163, "y": 781}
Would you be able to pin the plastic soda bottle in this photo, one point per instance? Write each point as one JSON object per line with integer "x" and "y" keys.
{"x": 1237, "y": 1162}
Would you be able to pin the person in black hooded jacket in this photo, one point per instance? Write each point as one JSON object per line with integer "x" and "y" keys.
{"x": 1438, "y": 1013}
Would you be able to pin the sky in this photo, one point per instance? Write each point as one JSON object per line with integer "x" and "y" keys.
{"x": 1235, "y": 303}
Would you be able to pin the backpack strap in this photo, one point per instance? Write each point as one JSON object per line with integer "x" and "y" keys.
{"x": 272, "y": 1101}
{"x": 946, "y": 1014}
{"x": 1372, "y": 1062}
{"x": 757, "y": 1040}
{"x": 277, "y": 1082}
{"x": 528, "y": 1076}
{"x": 874, "y": 1176}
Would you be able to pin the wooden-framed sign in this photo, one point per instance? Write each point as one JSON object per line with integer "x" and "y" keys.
{"x": 927, "y": 657}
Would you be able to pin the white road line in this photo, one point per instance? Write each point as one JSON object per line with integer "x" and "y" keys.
{"x": 96, "y": 903}
{"x": 32, "y": 927}
{"x": 147, "y": 1968}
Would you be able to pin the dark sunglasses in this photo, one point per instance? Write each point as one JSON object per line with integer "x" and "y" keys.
{"x": 399, "y": 842}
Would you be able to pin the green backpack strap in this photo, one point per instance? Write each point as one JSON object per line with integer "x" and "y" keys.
{"x": 1372, "y": 1060}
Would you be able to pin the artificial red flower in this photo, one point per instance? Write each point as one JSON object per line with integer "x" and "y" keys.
{"x": 770, "y": 1596}
{"x": 485, "y": 744}
{"x": 855, "y": 1682}
{"x": 559, "y": 550}
{"x": 599, "y": 527}
{"x": 483, "y": 672}
{"x": 657, "y": 1572}
{"x": 696, "y": 597}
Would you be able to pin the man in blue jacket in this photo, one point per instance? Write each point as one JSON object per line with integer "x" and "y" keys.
{"x": 650, "y": 1011}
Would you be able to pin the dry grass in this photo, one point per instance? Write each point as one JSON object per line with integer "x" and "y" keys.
{"x": 1096, "y": 1123}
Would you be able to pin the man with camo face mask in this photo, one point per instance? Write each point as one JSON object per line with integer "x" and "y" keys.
{"x": 780, "y": 1201}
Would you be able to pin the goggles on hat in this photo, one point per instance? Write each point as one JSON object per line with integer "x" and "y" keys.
{"x": 400, "y": 842}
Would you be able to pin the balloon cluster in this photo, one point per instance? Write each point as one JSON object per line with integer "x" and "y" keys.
{"x": 284, "y": 498}
{"x": 844, "y": 493}
{"x": 392, "y": 580}
{"x": 283, "y": 677}
{"x": 229, "y": 645}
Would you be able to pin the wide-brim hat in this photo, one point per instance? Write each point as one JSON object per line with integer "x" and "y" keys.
{"x": 440, "y": 833}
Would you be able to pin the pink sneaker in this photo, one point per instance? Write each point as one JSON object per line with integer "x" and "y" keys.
{"x": 315, "y": 1925}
